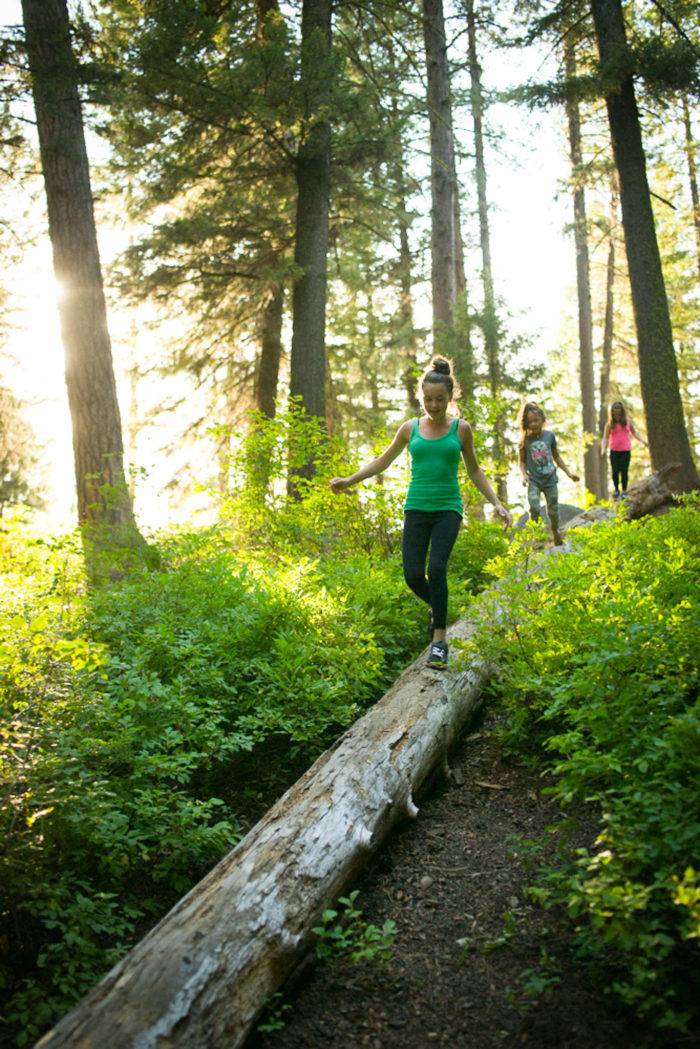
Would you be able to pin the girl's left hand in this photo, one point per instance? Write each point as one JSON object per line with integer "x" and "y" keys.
{"x": 503, "y": 514}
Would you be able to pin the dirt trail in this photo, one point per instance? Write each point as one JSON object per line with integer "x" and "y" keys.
{"x": 453, "y": 874}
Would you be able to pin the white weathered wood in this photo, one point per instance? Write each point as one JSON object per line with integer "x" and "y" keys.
{"x": 201, "y": 976}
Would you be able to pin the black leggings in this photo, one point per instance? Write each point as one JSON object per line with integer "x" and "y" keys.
{"x": 620, "y": 464}
{"x": 437, "y": 529}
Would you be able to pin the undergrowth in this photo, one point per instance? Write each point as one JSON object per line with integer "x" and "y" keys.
{"x": 598, "y": 656}
{"x": 144, "y": 723}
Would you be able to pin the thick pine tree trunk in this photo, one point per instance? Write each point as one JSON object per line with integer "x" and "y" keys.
{"x": 490, "y": 320}
{"x": 608, "y": 334}
{"x": 451, "y": 332}
{"x": 591, "y": 458}
{"x": 462, "y": 348}
{"x": 270, "y": 332}
{"x": 668, "y": 437}
{"x": 267, "y": 376}
{"x": 103, "y": 496}
{"x": 692, "y": 173}
{"x": 442, "y": 170}
{"x": 407, "y": 328}
{"x": 308, "y": 355}
{"x": 409, "y": 347}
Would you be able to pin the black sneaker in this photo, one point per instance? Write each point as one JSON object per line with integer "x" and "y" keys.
{"x": 437, "y": 657}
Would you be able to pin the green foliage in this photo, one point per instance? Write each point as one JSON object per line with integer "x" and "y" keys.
{"x": 599, "y": 657}
{"x": 18, "y": 459}
{"x": 136, "y": 714}
{"x": 346, "y": 934}
{"x": 273, "y": 1015}
{"x": 487, "y": 944}
{"x": 537, "y": 981}
{"x": 318, "y": 522}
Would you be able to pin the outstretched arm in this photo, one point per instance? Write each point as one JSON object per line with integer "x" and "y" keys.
{"x": 560, "y": 462}
{"x": 476, "y": 474}
{"x": 635, "y": 434}
{"x": 378, "y": 465}
{"x": 523, "y": 464}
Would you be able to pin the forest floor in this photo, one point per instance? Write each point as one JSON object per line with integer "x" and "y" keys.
{"x": 460, "y": 872}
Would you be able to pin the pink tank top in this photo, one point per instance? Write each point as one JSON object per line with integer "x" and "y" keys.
{"x": 620, "y": 437}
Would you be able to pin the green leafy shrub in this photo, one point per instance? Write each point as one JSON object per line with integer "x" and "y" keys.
{"x": 345, "y": 933}
{"x": 598, "y": 651}
{"x": 135, "y": 714}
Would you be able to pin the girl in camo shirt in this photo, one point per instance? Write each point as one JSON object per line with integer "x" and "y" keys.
{"x": 539, "y": 458}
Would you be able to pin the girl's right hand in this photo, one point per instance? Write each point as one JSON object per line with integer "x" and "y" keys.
{"x": 339, "y": 484}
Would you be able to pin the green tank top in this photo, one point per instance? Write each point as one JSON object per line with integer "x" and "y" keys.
{"x": 434, "y": 466}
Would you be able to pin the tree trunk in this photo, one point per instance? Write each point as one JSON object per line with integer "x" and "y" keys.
{"x": 608, "y": 333}
{"x": 668, "y": 438}
{"x": 407, "y": 329}
{"x": 270, "y": 353}
{"x": 103, "y": 496}
{"x": 692, "y": 173}
{"x": 411, "y": 371}
{"x": 267, "y": 373}
{"x": 442, "y": 168}
{"x": 591, "y": 457}
{"x": 308, "y": 356}
{"x": 462, "y": 349}
{"x": 490, "y": 320}
{"x": 200, "y": 978}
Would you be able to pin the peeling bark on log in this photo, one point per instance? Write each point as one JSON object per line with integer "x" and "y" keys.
{"x": 201, "y": 976}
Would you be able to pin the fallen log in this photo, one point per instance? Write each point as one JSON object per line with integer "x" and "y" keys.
{"x": 653, "y": 495}
{"x": 201, "y": 977}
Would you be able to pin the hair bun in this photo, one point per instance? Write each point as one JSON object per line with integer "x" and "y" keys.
{"x": 439, "y": 364}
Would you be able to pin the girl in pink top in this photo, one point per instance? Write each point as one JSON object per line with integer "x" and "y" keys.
{"x": 617, "y": 435}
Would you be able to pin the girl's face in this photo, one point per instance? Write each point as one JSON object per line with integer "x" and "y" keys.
{"x": 534, "y": 423}
{"x": 617, "y": 411}
{"x": 435, "y": 399}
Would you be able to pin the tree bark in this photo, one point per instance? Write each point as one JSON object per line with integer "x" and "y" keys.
{"x": 668, "y": 437}
{"x": 442, "y": 170}
{"x": 463, "y": 349}
{"x": 201, "y": 977}
{"x": 267, "y": 376}
{"x": 308, "y": 355}
{"x": 103, "y": 496}
{"x": 405, "y": 274}
{"x": 490, "y": 320}
{"x": 410, "y": 371}
{"x": 591, "y": 457}
{"x": 692, "y": 173}
{"x": 608, "y": 333}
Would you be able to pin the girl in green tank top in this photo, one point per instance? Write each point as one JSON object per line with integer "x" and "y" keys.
{"x": 433, "y": 509}
{"x": 434, "y": 465}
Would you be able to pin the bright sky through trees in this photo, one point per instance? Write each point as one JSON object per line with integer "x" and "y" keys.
{"x": 533, "y": 265}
